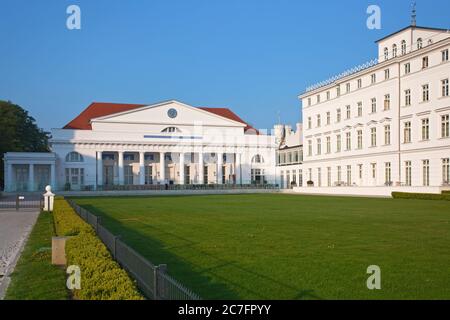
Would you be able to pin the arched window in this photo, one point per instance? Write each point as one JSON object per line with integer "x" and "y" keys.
{"x": 394, "y": 50}
{"x": 419, "y": 43}
{"x": 257, "y": 159}
{"x": 171, "y": 130}
{"x": 74, "y": 157}
{"x": 386, "y": 53}
{"x": 403, "y": 47}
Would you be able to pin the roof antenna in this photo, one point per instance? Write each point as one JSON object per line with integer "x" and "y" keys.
{"x": 413, "y": 14}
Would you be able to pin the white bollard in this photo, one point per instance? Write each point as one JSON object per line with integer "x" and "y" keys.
{"x": 49, "y": 198}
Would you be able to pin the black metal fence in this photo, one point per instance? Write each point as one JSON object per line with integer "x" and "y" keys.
{"x": 158, "y": 187}
{"x": 152, "y": 280}
{"x": 21, "y": 202}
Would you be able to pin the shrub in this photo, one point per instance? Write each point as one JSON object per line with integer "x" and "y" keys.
{"x": 101, "y": 277}
{"x": 421, "y": 196}
{"x": 446, "y": 192}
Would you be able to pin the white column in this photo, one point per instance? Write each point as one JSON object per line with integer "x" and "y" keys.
{"x": 181, "y": 168}
{"x": 219, "y": 167}
{"x": 9, "y": 177}
{"x": 201, "y": 169}
{"x": 141, "y": 168}
{"x": 53, "y": 176}
{"x": 237, "y": 170}
{"x": 99, "y": 169}
{"x": 162, "y": 167}
{"x": 31, "y": 177}
{"x": 121, "y": 179}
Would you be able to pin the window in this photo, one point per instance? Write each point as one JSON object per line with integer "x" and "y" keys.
{"x": 373, "y": 78}
{"x": 338, "y": 115}
{"x": 374, "y": 170}
{"x": 408, "y": 173}
{"x": 75, "y": 176}
{"x": 445, "y": 171}
{"x": 257, "y": 159}
{"x": 373, "y": 137}
{"x": 444, "y": 84}
{"x": 329, "y": 176}
{"x": 348, "y": 141}
{"x": 407, "y": 68}
{"x": 107, "y": 156}
{"x": 426, "y": 172}
{"x": 338, "y": 143}
{"x": 309, "y": 123}
{"x": 374, "y": 105}
{"x": 149, "y": 157}
{"x": 148, "y": 175}
{"x": 445, "y": 55}
{"x": 394, "y": 50}
{"x": 348, "y": 112}
{"x": 360, "y": 110}
{"x": 339, "y": 174}
{"x": 387, "y": 134}
{"x": 347, "y": 87}
{"x": 318, "y": 98}
{"x": 128, "y": 175}
{"x": 387, "y": 102}
{"x": 360, "y": 171}
{"x": 407, "y": 132}
{"x": 328, "y": 144}
{"x": 387, "y": 74}
{"x": 445, "y": 126}
{"x": 338, "y": 91}
{"x": 74, "y": 157}
{"x": 128, "y": 157}
{"x": 360, "y": 139}
{"x": 419, "y": 43}
{"x": 386, "y": 53}
{"x": 424, "y": 62}
{"x": 171, "y": 130}
{"x": 328, "y": 95}
{"x": 310, "y": 174}
{"x": 425, "y": 129}
{"x": 328, "y": 117}
{"x": 349, "y": 175}
{"x": 318, "y": 120}
{"x": 403, "y": 47}
{"x": 319, "y": 177}
{"x": 359, "y": 83}
{"x": 425, "y": 92}
{"x": 387, "y": 174}
{"x": 407, "y": 97}
{"x": 309, "y": 148}
{"x": 319, "y": 147}
{"x": 309, "y": 102}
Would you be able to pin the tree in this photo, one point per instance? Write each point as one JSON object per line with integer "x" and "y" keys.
{"x": 19, "y": 133}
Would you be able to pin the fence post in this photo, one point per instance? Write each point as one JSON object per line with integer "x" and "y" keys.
{"x": 159, "y": 290}
{"x": 17, "y": 202}
{"x": 115, "y": 246}
{"x": 97, "y": 222}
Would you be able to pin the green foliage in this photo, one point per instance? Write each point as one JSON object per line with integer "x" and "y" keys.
{"x": 34, "y": 277}
{"x": 445, "y": 191}
{"x": 421, "y": 196}
{"x": 101, "y": 277}
{"x": 19, "y": 132}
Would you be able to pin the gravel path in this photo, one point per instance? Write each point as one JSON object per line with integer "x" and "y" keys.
{"x": 15, "y": 226}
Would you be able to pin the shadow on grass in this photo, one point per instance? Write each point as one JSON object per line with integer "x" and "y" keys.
{"x": 192, "y": 275}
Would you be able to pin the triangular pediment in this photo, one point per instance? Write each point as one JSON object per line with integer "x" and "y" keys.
{"x": 169, "y": 113}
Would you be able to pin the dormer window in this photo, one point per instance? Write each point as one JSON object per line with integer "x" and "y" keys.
{"x": 394, "y": 51}
{"x": 74, "y": 157}
{"x": 386, "y": 53}
{"x": 171, "y": 130}
{"x": 419, "y": 43}
{"x": 403, "y": 47}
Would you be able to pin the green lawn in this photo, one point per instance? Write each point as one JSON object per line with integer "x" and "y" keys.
{"x": 34, "y": 278}
{"x": 274, "y": 246}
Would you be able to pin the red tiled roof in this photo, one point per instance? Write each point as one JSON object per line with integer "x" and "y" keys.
{"x": 102, "y": 109}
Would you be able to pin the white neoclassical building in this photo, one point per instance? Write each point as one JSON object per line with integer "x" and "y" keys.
{"x": 383, "y": 124}
{"x": 110, "y": 145}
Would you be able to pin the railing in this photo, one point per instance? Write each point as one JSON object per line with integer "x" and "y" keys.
{"x": 152, "y": 280}
{"x": 160, "y": 187}
{"x": 21, "y": 202}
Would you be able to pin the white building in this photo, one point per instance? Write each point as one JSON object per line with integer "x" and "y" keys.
{"x": 289, "y": 155}
{"x": 110, "y": 145}
{"x": 385, "y": 123}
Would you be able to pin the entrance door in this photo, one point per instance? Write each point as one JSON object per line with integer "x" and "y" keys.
{"x": 21, "y": 178}
{"x": 42, "y": 176}
{"x": 108, "y": 175}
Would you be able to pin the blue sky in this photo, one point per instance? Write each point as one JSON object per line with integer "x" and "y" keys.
{"x": 253, "y": 56}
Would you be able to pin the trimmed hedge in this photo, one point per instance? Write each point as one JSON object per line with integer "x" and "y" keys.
{"x": 446, "y": 192}
{"x": 421, "y": 196}
{"x": 101, "y": 277}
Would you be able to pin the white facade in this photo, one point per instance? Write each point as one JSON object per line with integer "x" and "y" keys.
{"x": 386, "y": 125}
{"x": 165, "y": 143}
